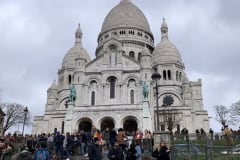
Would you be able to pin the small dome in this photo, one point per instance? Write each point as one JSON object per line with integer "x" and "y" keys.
{"x": 125, "y": 14}
{"x": 166, "y": 51}
{"x": 76, "y": 52}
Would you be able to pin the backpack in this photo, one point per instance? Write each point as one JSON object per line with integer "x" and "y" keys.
{"x": 41, "y": 155}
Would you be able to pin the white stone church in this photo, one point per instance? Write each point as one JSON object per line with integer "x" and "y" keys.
{"x": 109, "y": 88}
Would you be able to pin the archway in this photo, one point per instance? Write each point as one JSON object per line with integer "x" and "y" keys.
{"x": 107, "y": 123}
{"x": 85, "y": 125}
{"x": 130, "y": 125}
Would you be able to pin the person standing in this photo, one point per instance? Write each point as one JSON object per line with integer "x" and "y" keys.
{"x": 116, "y": 152}
{"x": 228, "y": 136}
{"x": 58, "y": 141}
{"x": 138, "y": 150}
{"x": 162, "y": 153}
{"x": 24, "y": 154}
{"x": 42, "y": 153}
{"x": 131, "y": 153}
{"x": 83, "y": 143}
{"x": 94, "y": 150}
{"x": 121, "y": 138}
{"x": 112, "y": 137}
{"x": 106, "y": 136}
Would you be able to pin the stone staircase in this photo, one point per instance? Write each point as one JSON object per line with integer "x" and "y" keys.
{"x": 79, "y": 158}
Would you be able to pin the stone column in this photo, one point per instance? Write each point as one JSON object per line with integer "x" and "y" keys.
{"x": 68, "y": 118}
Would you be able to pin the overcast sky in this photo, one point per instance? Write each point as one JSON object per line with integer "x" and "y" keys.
{"x": 36, "y": 34}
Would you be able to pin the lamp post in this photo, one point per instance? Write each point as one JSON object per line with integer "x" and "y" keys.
{"x": 25, "y": 116}
{"x": 156, "y": 77}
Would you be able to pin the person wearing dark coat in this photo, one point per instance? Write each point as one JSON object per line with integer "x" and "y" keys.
{"x": 58, "y": 141}
{"x": 116, "y": 152}
{"x": 131, "y": 153}
{"x": 162, "y": 153}
{"x": 94, "y": 150}
{"x": 112, "y": 137}
{"x": 24, "y": 154}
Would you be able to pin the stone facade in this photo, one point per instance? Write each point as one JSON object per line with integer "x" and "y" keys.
{"x": 109, "y": 87}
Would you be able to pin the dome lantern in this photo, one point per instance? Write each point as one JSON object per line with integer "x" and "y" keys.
{"x": 78, "y": 35}
{"x": 164, "y": 30}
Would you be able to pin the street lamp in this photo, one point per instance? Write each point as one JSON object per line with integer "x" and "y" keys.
{"x": 156, "y": 77}
{"x": 25, "y": 116}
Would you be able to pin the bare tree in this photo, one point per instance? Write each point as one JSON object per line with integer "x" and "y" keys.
{"x": 14, "y": 115}
{"x": 235, "y": 111}
{"x": 223, "y": 115}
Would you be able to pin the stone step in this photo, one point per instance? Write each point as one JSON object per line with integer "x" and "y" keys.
{"x": 79, "y": 158}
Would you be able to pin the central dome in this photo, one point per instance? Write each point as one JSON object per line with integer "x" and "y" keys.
{"x": 125, "y": 14}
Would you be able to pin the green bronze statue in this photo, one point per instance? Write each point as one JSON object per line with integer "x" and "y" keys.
{"x": 73, "y": 93}
{"x": 145, "y": 90}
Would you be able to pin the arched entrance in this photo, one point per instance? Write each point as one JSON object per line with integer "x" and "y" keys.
{"x": 85, "y": 125}
{"x": 107, "y": 123}
{"x": 130, "y": 125}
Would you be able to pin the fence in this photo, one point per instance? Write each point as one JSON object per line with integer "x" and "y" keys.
{"x": 189, "y": 147}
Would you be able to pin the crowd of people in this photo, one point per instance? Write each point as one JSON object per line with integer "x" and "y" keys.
{"x": 110, "y": 144}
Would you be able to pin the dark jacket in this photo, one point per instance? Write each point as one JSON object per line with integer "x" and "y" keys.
{"x": 94, "y": 152}
{"x": 117, "y": 153}
{"x": 24, "y": 155}
{"x": 131, "y": 153}
{"x": 161, "y": 154}
{"x": 58, "y": 140}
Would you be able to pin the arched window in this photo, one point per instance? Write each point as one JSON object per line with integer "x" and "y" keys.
{"x": 139, "y": 55}
{"x": 177, "y": 76}
{"x": 112, "y": 82}
{"x": 132, "y": 96}
{"x": 178, "y": 128}
{"x": 69, "y": 79}
{"x": 131, "y": 83}
{"x": 132, "y": 54}
{"x": 169, "y": 75}
{"x": 93, "y": 98}
{"x": 180, "y": 76}
{"x": 164, "y": 75}
{"x": 162, "y": 127}
{"x": 62, "y": 130}
{"x": 93, "y": 84}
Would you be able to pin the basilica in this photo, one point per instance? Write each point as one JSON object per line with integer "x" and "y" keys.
{"x": 116, "y": 89}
